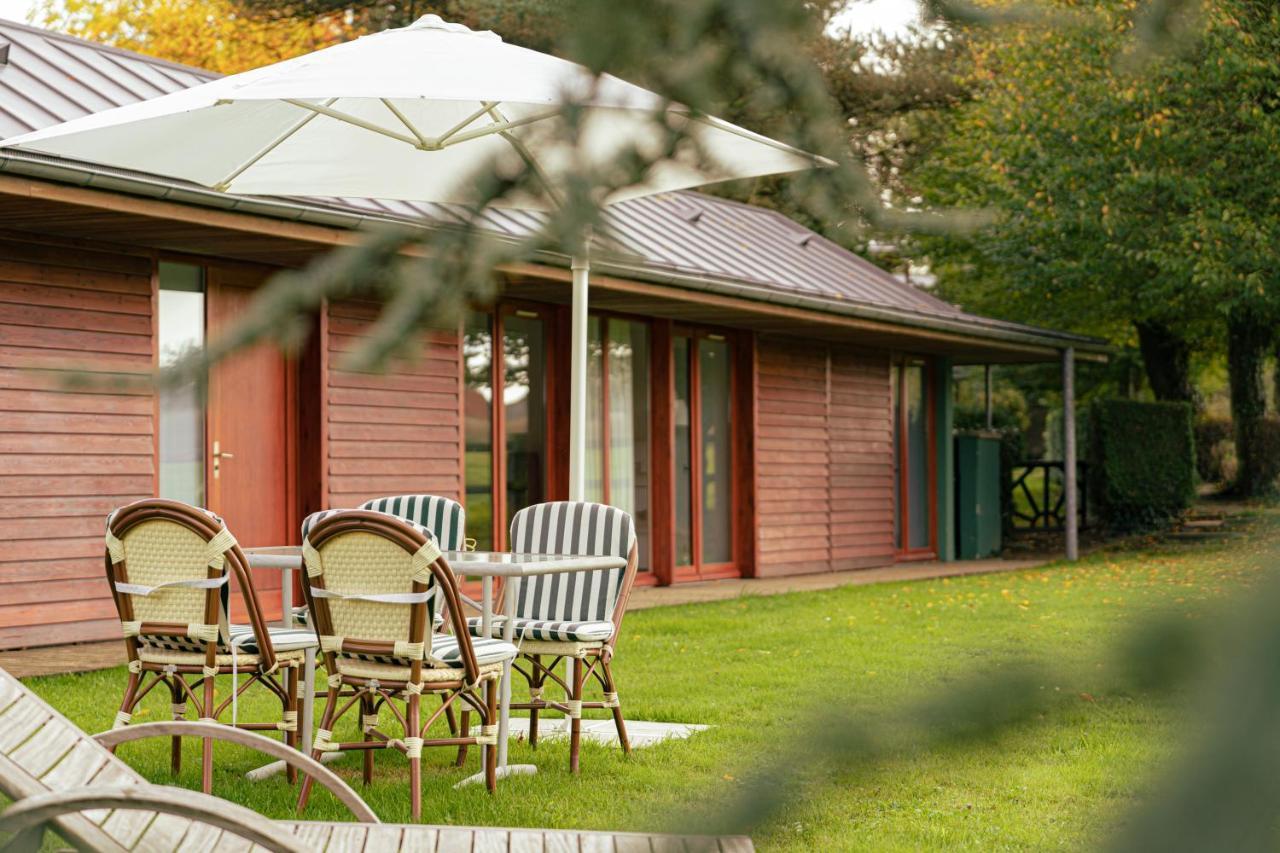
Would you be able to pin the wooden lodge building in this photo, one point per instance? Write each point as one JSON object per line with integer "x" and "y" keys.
{"x": 763, "y": 401}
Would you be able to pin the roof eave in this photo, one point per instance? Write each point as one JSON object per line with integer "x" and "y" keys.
{"x": 84, "y": 175}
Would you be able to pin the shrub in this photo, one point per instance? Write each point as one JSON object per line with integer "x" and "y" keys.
{"x": 1141, "y": 462}
{"x": 1215, "y": 450}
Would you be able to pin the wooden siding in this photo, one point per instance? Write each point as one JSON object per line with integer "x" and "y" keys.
{"x": 68, "y": 457}
{"x": 394, "y": 433}
{"x": 824, "y": 459}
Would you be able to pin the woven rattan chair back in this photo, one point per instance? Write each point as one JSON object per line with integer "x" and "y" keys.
{"x": 170, "y": 566}
{"x": 373, "y": 582}
{"x": 443, "y": 517}
{"x": 581, "y": 529}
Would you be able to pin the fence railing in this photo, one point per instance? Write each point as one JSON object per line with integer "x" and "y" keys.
{"x": 1039, "y": 498}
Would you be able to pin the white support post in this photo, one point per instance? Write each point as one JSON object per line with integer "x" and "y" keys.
{"x": 578, "y": 381}
{"x": 1069, "y": 453}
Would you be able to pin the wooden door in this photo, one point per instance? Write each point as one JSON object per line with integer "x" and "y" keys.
{"x": 248, "y": 465}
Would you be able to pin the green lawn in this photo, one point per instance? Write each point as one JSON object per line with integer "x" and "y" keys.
{"x": 753, "y": 667}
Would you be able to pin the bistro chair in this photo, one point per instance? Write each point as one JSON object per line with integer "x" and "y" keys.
{"x": 169, "y": 565}
{"x": 442, "y": 516}
{"x": 574, "y": 615}
{"x": 373, "y": 582}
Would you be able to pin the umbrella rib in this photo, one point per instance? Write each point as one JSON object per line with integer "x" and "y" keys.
{"x": 485, "y": 107}
{"x": 354, "y": 120}
{"x": 225, "y": 184}
{"x": 526, "y": 155}
{"x": 423, "y": 141}
{"x": 502, "y": 126}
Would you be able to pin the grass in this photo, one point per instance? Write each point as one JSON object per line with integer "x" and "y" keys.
{"x": 752, "y": 667}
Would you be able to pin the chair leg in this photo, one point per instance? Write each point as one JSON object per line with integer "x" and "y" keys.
{"x": 464, "y": 730}
{"x": 535, "y": 682}
{"x": 412, "y": 722}
{"x": 366, "y": 709}
{"x": 130, "y": 690}
{"x": 291, "y": 712}
{"x": 575, "y": 722}
{"x": 176, "y": 698}
{"x": 620, "y": 724}
{"x": 491, "y": 719}
{"x": 449, "y": 716}
{"x": 326, "y": 722}
{"x": 206, "y": 754}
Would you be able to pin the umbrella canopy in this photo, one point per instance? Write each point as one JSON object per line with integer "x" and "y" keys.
{"x": 412, "y": 114}
{"x": 407, "y": 114}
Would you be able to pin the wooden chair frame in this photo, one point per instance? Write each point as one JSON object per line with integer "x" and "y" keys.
{"x": 144, "y": 676}
{"x": 370, "y": 695}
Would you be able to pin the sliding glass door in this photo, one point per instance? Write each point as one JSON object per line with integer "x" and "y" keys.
{"x": 617, "y": 469}
{"x": 506, "y": 429}
{"x": 913, "y": 445}
{"x": 703, "y": 454}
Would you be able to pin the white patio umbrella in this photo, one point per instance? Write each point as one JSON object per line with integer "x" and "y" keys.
{"x": 411, "y": 114}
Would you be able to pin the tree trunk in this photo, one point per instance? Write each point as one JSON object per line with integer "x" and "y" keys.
{"x": 1275, "y": 378}
{"x": 1167, "y": 358}
{"x": 1249, "y": 337}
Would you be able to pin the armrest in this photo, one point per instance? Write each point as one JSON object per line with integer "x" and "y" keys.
{"x": 37, "y": 810}
{"x": 216, "y": 731}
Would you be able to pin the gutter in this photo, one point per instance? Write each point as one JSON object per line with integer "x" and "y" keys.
{"x": 62, "y": 171}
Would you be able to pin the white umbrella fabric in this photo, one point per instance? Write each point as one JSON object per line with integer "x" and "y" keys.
{"x": 412, "y": 114}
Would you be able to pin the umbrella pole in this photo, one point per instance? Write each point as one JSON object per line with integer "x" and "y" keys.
{"x": 581, "y": 267}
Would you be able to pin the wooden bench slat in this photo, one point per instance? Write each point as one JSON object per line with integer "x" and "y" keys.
{"x": 126, "y": 826}
{"x": 76, "y": 768}
{"x": 164, "y": 835}
{"x": 632, "y": 844}
{"x": 454, "y": 841}
{"x": 560, "y": 842}
{"x": 526, "y": 841}
{"x": 200, "y": 838}
{"x": 229, "y": 843}
{"x": 384, "y": 837}
{"x": 314, "y": 835}
{"x": 20, "y": 721}
{"x": 347, "y": 838}
{"x": 590, "y": 843}
{"x": 490, "y": 841}
{"x": 43, "y": 750}
{"x": 415, "y": 839}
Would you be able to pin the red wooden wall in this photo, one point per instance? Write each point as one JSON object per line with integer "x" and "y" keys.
{"x": 66, "y": 459}
{"x": 824, "y": 464}
{"x": 393, "y": 433}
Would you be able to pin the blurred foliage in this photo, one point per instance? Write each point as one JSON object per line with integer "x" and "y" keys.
{"x": 1215, "y": 450}
{"x": 216, "y": 35}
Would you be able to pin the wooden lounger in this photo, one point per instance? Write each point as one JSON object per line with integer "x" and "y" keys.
{"x": 67, "y": 780}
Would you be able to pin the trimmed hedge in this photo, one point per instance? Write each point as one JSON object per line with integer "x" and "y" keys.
{"x": 1142, "y": 462}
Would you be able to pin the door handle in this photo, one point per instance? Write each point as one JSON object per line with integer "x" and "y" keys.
{"x": 218, "y": 455}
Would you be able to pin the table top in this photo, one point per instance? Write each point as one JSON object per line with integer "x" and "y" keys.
{"x": 492, "y": 563}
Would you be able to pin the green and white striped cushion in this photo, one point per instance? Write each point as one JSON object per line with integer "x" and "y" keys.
{"x": 442, "y": 516}
{"x": 581, "y": 529}
{"x": 544, "y": 629}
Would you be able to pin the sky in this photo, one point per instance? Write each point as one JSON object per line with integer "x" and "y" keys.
{"x": 889, "y": 16}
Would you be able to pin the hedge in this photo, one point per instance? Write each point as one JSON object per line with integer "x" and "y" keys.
{"x": 1142, "y": 462}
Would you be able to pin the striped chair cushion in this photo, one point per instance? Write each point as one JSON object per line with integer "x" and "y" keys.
{"x": 311, "y": 520}
{"x": 442, "y": 516}
{"x": 282, "y": 640}
{"x": 543, "y": 629}
{"x": 444, "y": 648}
{"x": 302, "y": 616}
{"x": 579, "y": 528}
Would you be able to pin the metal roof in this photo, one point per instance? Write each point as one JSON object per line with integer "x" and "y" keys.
{"x": 52, "y": 77}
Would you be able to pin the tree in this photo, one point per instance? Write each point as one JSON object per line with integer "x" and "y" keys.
{"x": 211, "y": 34}
{"x": 1131, "y": 203}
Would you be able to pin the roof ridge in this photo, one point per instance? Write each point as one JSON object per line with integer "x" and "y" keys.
{"x": 45, "y": 32}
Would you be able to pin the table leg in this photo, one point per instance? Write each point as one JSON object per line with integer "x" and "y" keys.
{"x": 486, "y": 623}
{"x": 286, "y": 598}
{"x": 510, "y": 594}
{"x": 307, "y": 716}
